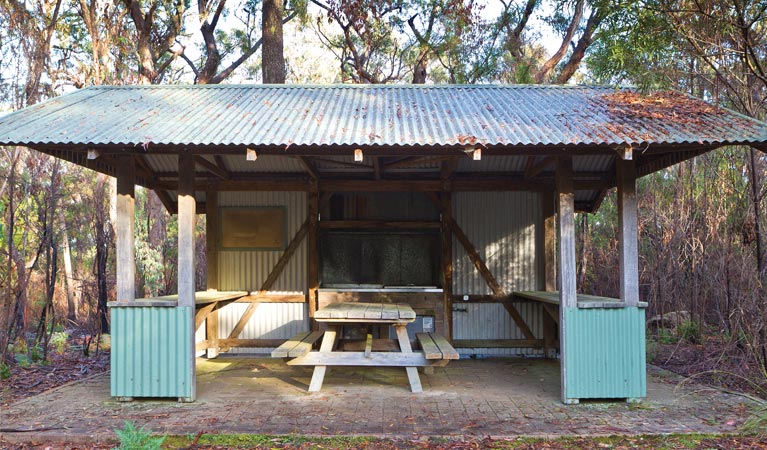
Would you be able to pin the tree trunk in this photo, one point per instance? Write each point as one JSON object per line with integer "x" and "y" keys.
{"x": 272, "y": 57}
{"x": 103, "y": 230}
{"x": 755, "y": 188}
{"x": 5, "y": 338}
{"x": 73, "y": 304}
{"x": 552, "y": 62}
{"x": 419, "y": 72}
{"x": 572, "y": 64}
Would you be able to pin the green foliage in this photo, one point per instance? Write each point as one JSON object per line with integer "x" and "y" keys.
{"x": 20, "y": 346}
{"x": 59, "y": 341}
{"x": 651, "y": 349}
{"x": 659, "y": 442}
{"x": 667, "y": 337}
{"x": 5, "y": 372}
{"x": 757, "y": 422}
{"x": 22, "y": 360}
{"x": 690, "y": 331}
{"x": 635, "y": 47}
{"x": 36, "y": 353}
{"x": 132, "y": 438}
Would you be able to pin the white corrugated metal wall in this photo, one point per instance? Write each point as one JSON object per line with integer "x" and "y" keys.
{"x": 247, "y": 270}
{"x": 502, "y": 226}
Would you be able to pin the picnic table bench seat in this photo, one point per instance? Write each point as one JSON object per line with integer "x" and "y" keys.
{"x": 298, "y": 345}
{"x": 435, "y": 346}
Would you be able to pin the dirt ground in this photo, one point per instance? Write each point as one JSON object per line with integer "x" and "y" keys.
{"x": 290, "y": 443}
{"x": 61, "y": 369}
{"x": 712, "y": 362}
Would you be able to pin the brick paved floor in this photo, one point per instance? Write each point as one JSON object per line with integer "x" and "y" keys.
{"x": 491, "y": 397}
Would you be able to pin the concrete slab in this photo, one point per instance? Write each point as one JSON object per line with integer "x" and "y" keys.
{"x": 491, "y": 397}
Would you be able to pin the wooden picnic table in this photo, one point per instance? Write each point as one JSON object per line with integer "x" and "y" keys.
{"x": 436, "y": 350}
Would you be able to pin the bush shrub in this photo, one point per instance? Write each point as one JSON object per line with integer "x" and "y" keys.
{"x": 132, "y": 438}
{"x": 690, "y": 332}
{"x": 5, "y": 372}
{"x": 59, "y": 341}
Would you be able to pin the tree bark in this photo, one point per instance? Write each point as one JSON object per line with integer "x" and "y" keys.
{"x": 272, "y": 56}
{"x": 103, "y": 230}
{"x": 73, "y": 304}
{"x": 572, "y": 64}
{"x": 549, "y": 65}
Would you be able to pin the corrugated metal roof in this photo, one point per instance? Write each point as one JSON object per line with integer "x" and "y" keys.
{"x": 404, "y": 115}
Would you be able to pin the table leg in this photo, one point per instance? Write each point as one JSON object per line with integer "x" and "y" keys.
{"x": 404, "y": 345}
{"x": 328, "y": 339}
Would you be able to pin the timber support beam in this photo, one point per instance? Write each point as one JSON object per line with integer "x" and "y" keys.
{"x": 126, "y": 248}
{"x": 566, "y": 258}
{"x": 186, "y": 263}
{"x": 628, "y": 235}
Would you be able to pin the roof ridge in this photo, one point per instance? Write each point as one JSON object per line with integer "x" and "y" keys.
{"x": 359, "y": 86}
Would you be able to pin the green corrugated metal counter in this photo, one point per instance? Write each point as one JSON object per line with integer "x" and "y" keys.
{"x": 602, "y": 346}
{"x": 151, "y": 351}
{"x": 604, "y": 353}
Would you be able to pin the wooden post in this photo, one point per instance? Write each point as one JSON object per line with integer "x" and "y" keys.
{"x": 211, "y": 240}
{"x": 126, "y": 249}
{"x": 447, "y": 264}
{"x": 186, "y": 218}
{"x": 312, "y": 256}
{"x": 566, "y": 233}
{"x": 211, "y": 269}
{"x": 627, "y": 229}
{"x": 549, "y": 268}
{"x": 566, "y": 260}
{"x": 549, "y": 241}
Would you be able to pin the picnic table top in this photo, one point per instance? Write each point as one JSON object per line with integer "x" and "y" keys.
{"x": 200, "y": 298}
{"x": 365, "y": 312}
{"x": 584, "y": 301}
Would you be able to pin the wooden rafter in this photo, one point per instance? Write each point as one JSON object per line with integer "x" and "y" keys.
{"x": 529, "y": 163}
{"x": 212, "y": 167}
{"x": 416, "y": 161}
{"x": 377, "y": 171}
{"x": 167, "y": 201}
{"x": 271, "y": 279}
{"x": 359, "y": 224}
{"x": 309, "y": 166}
{"x": 483, "y": 270}
{"x": 447, "y": 168}
{"x": 220, "y": 162}
{"x": 324, "y": 200}
{"x": 143, "y": 169}
{"x": 345, "y": 163}
{"x": 533, "y": 170}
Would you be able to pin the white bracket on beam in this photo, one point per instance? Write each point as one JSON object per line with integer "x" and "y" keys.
{"x": 358, "y": 155}
{"x": 474, "y": 153}
{"x": 625, "y": 153}
{"x": 93, "y": 153}
{"x": 251, "y": 155}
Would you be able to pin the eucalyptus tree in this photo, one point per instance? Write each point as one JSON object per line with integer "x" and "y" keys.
{"x": 233, "y": 32}
{"x": 454, "y": 41}
{"x": 577, "y": 23}
{"x": 371, "y": 47}
{"x": 717, "y": 50}
{"x": 157, "y": 24}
